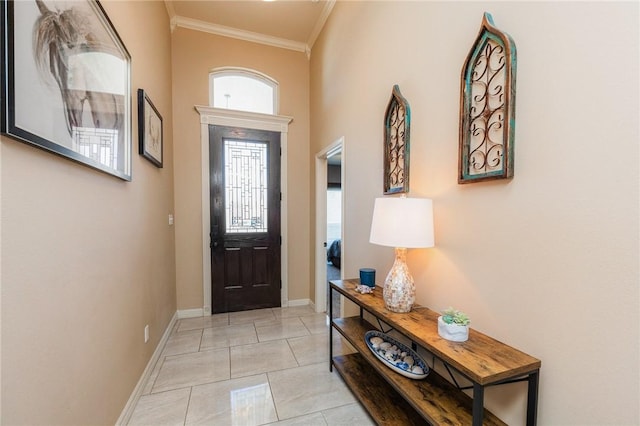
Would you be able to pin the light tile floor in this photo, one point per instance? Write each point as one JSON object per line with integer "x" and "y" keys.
{"x": 261, "y": 367}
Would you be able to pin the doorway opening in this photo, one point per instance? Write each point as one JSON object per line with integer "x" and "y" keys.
{"x": 334, "y": 222}
{"x": 329, "y": 242}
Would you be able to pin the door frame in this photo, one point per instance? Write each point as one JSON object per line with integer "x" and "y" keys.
{"x": 248, "y": 120}
{"x": 321, "y": 221}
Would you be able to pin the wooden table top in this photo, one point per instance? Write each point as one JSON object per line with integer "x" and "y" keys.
{"x": 482, "y": 359}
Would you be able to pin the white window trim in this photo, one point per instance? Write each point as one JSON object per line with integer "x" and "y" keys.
{"x": 249, "y": 73}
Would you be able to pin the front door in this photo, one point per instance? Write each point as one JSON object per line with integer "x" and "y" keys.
{"x": 245, "y": 218}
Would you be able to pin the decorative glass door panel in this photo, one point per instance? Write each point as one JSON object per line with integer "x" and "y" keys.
{"x": 246, "y": 186}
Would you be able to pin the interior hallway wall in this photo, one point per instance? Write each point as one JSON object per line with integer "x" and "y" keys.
{"x": 88, "y": 259}
{"x": 547, "y": 262}
{"x": 194, "y": 55}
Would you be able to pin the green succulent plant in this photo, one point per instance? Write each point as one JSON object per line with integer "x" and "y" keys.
{"x": 453, "y": 316}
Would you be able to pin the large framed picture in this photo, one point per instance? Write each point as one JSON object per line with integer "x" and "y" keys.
{"x": 150, "y": 135}
{"x": 66, "y": 82}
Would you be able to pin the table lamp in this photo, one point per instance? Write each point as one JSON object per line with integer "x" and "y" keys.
{"x": 401, "y": 223}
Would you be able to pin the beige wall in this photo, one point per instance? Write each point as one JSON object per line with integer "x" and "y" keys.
{"x": 547, "y": 262}
{"x": 194, "y": 55}
{"x": 87, "y": 259}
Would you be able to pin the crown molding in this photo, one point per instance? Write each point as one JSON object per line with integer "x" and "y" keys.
{"x": 322, "y": 19}
{"x": 197, "y": 25}
{"x": 171, "y": 12}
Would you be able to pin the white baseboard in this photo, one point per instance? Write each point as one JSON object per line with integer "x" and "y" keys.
{"x": 190, "y": 313}
{"x": 299, "y": 302}
{"x": 125, "y": 416}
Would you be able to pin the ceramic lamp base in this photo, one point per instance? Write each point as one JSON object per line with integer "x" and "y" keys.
{"x": 399, "y": 292}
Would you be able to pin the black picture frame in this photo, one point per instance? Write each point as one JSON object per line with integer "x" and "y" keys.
{"x": 67, "y": 92}
{"x": 150, "y": 130}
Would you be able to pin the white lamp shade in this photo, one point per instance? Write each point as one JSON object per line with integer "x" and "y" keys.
{"x": 402, "y": 222}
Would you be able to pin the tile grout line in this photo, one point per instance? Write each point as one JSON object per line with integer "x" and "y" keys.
{"x": 201, "y": 338}
{"x": 293, "y": 352}
{"x": 186, "y": 412}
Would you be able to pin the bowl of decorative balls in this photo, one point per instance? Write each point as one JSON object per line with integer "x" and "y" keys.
{"x": 395, "y": 355}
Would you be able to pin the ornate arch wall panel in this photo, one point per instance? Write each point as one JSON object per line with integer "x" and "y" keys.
{"x": 397, "y": 121}
{"x": 487, "y": 107}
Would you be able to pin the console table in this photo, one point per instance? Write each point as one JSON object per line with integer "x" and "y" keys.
{"x": 392, "y": 399}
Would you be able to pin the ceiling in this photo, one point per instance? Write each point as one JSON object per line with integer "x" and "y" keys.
{"x": 290, "y": 24}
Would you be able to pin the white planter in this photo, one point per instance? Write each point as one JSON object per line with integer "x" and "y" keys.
{"x": 453, "y": 332}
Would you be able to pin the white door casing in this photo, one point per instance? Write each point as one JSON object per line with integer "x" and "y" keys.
{"x": 247, "y": 120}
{"x": 321, "y": 220}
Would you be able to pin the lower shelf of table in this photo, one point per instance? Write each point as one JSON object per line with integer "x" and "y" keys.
{"x": 433, "y": 398}
{"x": 384, "y": 405}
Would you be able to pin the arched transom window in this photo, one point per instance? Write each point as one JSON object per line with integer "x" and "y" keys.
{"x": 243, "y": 90}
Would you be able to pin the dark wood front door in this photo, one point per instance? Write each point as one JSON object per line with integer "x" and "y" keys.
{"x": 245, "y": 218}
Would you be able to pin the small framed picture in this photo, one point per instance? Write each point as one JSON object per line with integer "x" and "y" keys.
{"x": 150, "y": 136}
